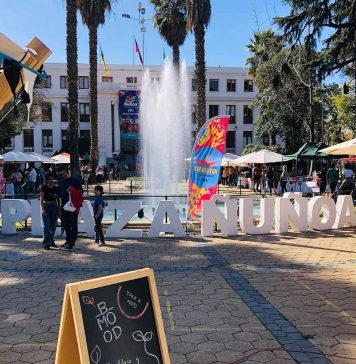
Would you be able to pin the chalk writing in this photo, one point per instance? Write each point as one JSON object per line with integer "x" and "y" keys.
{"x": 106, "y": 320}
{"x": 131, "y": 303}
{"x": 139, "y": 336}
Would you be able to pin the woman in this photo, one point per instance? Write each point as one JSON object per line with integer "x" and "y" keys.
{"x": 50, "y": 203}
{"x": 347, "y": 181}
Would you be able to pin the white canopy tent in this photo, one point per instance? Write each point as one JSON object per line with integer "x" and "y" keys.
{"x": 17, "y": 156}
{"x": 42, "y": 158}
{"x": 229, "y": 159}
{"x": 262, "y": 157}
{"x": 348, "y": 147}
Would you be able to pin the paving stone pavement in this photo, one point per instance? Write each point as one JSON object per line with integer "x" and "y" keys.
{"x": 248, "y": 299}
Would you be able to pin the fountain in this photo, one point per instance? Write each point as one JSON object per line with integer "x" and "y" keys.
{"x": 165, "y": 117}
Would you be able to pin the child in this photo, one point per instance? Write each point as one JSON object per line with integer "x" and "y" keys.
{"x": 9, "y": 187}
{"x": 98, "y": 215}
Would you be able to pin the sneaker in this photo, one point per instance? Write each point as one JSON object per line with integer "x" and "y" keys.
{"x": 54, "y": 246}
{"x": 68, "y": 247}
{"x": 96, "y": 241}
{"x": 63, "y": 245}
{"x": 46, "y": 248}
{"x": 102, "y": 243}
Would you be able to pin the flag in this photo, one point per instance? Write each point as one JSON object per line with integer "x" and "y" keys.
{"x": 106, "y": 69}
{"x": 205, "y": 164}
{"x": 138, "y": 51}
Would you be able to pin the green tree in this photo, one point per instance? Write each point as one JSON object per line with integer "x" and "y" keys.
{"x": 170, "y": 19}
{"x": 93, "y": 14}
{"x": 12, "y": 125}
{"x": 262, "y": 47}
{"x": 72, "y": 72}
{"x": 332, "y": 23}
{"x": 198, "y": 18}
{"x": 250, "y": 148}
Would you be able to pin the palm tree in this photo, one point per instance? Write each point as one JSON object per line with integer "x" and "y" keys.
{"x": 72, "y": 73}
{"x": 198, "y": 18}
{"x": 171, "y": 22}
{"x": 262, "y": 47}
{"x": 93, "y": 15}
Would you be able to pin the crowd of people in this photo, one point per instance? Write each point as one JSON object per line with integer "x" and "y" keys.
{"x": 273, "y": 178}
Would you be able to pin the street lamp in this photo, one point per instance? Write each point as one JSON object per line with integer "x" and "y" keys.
{"x": 141, "y": 19}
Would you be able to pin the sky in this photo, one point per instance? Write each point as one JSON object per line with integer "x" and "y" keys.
{"x": 231, "y": 27}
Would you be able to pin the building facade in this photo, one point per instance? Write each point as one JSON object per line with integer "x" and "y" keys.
{"x": 229, "y": 90}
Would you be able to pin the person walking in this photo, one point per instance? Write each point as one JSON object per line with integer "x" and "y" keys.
{"x": 69, "y": 218}
{"x": 332, "y": 178}
{"x": 284, "y": 179}
{"x": 269, "y": 175}
{"x": 98, "y": 215}
{"x": 256, "y": 176}
{"x": 347, "y": 181}
{"x": 50, "y": 203}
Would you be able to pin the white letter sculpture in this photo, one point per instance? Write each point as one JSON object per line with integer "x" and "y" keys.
{"x": 285, "y": 212}
{"x": 36, "y": 218}
{"x": 266, "y": 216}
{"x": 87, "y": 216}
{"x": 345, "y": 213}
{"x": 173, "y": 225}
{"x": 129, "y": 208}
{"x": 13, "y": 211}
{"x": 211, "y": 213}
{"x": 323, "y": 204}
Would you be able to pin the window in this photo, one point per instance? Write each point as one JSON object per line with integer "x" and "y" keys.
{"x": 213, "y": 84}
{"x": 131, "y": 79}
{"x": 63, "y": 82}
{"x": 194, "y": 84}
{"x": 248, "y": 115}
{"x": 106, "y": 79}
{"x": 231, "y": 85}
{"x": 248, "y": 86}
{"x": 213, "y": 110}
{"x": 65, "y": 138}
{"x": 84, "y": 134}
{"x": 84, "y": 113}
{"x": 47, "y": 139}
{"x": 83, "y": 81}
{"x": 247, "y": 138}
{"x": 47, "y": 82}
{"x": 46, "y": 112}
{"x": 64, "y": 111}
{"x": 9, "y": 143}
{"x": 28, "y": 139}
{"x": 230, "y": 140}
{"x": 194, "y": 114}
{"x": 265, "y": 139}
{"x": 231, "y": 110}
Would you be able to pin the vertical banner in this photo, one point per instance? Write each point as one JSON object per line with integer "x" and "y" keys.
{"x": 129, "y": 109}
{"x": 205, "y": 164}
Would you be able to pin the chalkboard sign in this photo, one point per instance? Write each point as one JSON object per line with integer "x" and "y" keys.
{"x": 117, "y": 320}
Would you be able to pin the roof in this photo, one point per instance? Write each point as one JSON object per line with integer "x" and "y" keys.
{"x": 310, "y": 150}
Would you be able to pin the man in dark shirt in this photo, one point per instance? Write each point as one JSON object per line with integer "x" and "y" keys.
{"x": 69, "y": 218}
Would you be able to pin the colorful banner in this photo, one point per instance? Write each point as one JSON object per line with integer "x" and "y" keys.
{"x": 129, "y": 109}
{"x": 205, "y": 165}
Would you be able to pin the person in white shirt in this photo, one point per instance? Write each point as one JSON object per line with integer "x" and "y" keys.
{"x": 31, "y": 179}
{"x": 347, "y": 181}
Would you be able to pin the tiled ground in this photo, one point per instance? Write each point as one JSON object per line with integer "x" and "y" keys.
{"x": 271, "y": 299}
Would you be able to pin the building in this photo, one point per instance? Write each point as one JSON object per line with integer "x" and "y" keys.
{"x": 229, "y": 90}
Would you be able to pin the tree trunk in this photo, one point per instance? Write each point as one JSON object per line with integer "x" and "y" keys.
{"x": 72, "y": 73}
{"x": 199, "y": 33}
{"x": 175, "y": 49}
{"x": 93, "y": 92}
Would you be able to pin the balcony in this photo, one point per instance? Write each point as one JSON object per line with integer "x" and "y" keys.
{"x": 47, "y": 150}
{"x": 109, "y": 86}
{"x": 28, "y": 149}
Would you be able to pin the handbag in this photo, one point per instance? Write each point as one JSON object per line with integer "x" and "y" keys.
{"x": 69, "y": 206}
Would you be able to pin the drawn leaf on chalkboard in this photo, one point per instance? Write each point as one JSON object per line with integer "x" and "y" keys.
{"x": 88, "y": 300}
{"x": 138, "y": 336}
{"x": 95, "y": 355}
{"x": 148, "y": 336}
